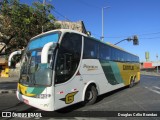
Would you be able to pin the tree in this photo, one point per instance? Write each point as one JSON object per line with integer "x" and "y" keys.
{"x": 20, "y": 22}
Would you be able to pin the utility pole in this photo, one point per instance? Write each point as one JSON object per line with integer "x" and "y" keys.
{"x": 157, "y": 62}
{"x": 102, "y": 37}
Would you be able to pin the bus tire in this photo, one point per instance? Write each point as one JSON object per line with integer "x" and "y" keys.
{"x": 131, "y": 82}
{"x": 90, "y": 95}
{"x": 138, "y": 82}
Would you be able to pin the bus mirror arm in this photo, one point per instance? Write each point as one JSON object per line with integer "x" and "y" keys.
{"x": 11, "y": 56}
{"x": 45, "y": 51}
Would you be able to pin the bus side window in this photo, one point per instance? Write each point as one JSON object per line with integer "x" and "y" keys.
{"x": 90, "y": 49}
{"x": 92, "y": 54}
{"x": 104, "y": 52}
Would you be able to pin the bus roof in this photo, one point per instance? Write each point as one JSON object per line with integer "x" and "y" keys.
{"x": 58, "y": 30}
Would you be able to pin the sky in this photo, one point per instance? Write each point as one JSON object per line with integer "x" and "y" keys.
{"x": 122, "y": 19}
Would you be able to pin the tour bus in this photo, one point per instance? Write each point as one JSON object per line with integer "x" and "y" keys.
{"x": 63, "y": 67}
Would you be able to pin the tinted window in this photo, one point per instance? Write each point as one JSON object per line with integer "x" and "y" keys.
{"x": 94, "y": 49}
{"x": 104, "y": 52}
{"x": 90, "y": 49}
{"x": 68, "y": 59}
{"x": 107, "y": 52}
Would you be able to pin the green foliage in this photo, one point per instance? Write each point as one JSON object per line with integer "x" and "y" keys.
{"x": 20, "y": 22}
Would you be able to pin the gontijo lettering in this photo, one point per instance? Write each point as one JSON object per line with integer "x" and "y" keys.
{"x": 128, "y": 67}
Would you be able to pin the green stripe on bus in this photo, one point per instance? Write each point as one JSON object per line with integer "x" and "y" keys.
{"x": 116, "y": 71}
{"x": 35, "y": 90}
{"x": 111, "y": 71}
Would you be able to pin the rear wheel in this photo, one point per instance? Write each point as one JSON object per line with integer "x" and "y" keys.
{"x": 132, "y": 82}
{"x": 90, "y": 95}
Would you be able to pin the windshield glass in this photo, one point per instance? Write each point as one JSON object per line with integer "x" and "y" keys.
{"x": 33, "y": 72}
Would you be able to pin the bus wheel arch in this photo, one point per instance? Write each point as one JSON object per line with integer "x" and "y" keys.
{"x": 90, "y": 94}
{"x": 135, "y": 78}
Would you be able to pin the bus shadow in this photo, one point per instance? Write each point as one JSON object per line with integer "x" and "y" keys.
{"x": 12, "y": 107}
{"x": 71, "y": 108}
{"x": 81, "y": 104}
{"x": 101, "y": 97}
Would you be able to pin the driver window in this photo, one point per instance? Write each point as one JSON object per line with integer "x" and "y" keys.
{"x": 69, "y": 55}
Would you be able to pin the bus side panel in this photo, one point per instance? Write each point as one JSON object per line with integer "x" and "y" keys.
{"x": 100, "y": 73}
{"x": 111, "y": 72}
{"x": 119, "y": 72}
{"x": 128, "y": 70}
{"x": 91, "y": 71}
{"x": 138, "y": 76}
{"x": 68, "y": 93}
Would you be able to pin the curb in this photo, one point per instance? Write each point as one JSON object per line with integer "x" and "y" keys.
{"x": 157, "y": 75}
{"x": 7, "y": 91}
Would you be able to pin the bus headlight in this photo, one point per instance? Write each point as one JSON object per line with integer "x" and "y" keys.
{"x": 43, "y": 96}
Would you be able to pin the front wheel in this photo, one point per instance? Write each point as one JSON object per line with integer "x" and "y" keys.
{"x": 91, "y": 95}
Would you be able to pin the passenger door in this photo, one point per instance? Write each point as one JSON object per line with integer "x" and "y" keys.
{"x": 67, "y": 81}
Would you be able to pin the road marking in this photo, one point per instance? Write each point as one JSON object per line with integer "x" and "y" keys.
{"x": 156, "y": 87}
{"x": 153, "y": 90}
{"x": 149, "y": 77}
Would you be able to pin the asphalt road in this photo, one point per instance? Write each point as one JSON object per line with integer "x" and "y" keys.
{"x": 144, "y": 96}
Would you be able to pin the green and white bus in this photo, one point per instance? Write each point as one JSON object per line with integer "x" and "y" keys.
{"x": 63, "y": 67}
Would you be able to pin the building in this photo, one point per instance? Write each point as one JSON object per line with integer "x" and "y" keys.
{"x": 78, "y": 26}
{"x": 150, "y": 65}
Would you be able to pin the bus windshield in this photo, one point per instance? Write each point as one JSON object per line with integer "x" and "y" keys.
{"x": 33, "y": 72}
